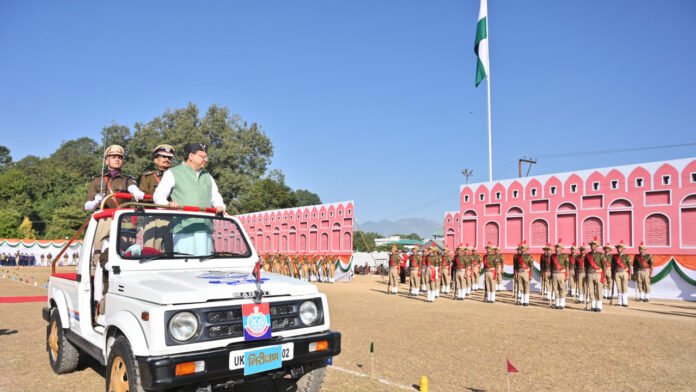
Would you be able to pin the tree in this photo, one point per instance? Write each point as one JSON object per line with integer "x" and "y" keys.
{"x": 412, "y": 236}
{"x": 269, "y": 193}
{"x": 364, "y": 242}
{"x": 81, "y": 156}
{"x": 5, "y": 157}
{"x": 306, "y": 198}
{"x": 116, "y": 134}
{"x": 25, "y": 230}
{"x": 9, "y": 221}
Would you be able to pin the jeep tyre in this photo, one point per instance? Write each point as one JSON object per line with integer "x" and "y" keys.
{"x": 312, "y": 380}
{"x": 62, "y": 355}
{"x": 122, "y": 371}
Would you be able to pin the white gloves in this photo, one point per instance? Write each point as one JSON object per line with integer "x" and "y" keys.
{"x": 136, "y": 192}
{"x": 92, "y": 204}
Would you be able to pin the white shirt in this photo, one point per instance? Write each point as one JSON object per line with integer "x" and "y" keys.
{"x": 164, "y": 189}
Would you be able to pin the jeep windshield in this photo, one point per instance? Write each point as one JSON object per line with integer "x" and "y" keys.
{"x": 146, "y": 237}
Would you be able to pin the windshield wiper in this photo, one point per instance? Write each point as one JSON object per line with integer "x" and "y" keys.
{"x": 164, "y": 255}
{"x": 216, "y": 255}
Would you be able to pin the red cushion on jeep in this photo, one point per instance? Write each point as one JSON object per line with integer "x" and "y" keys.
{"x": 147, "y": 251}
{"x": 66, "y": 275}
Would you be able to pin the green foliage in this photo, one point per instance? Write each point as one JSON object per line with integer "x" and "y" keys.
{"x": 269, "y": 193}
{"x": 5, "y": 157}
{"x": 412, "y": 236}
{"x": 26, "y": 230}
{"x": 10, "y": 219}
{"x": 306, "y": 198}
{"x": 365, "y": 242}
{"x": 51, "y": 191}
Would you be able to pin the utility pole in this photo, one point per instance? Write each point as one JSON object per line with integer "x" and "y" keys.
{"x": 467, "y": 173}
{"x": 526, "y": 160}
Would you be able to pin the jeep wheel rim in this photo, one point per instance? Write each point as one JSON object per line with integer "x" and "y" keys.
{"x": 119, "y": 376}
{"x": 53, "y": 340}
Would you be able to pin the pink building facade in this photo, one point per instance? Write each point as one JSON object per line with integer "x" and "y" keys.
{"x": 319, "y": 229}
{"x": 651, "y": 203}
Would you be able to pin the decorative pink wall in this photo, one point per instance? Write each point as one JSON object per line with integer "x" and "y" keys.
{"x": 319, "y": 229}
{"x": 653, "y": 203}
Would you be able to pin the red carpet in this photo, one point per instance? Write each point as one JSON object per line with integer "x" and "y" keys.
{"x": 17, "y": 300}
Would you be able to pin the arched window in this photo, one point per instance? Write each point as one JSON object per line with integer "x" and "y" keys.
{"x": 657, "y": 231}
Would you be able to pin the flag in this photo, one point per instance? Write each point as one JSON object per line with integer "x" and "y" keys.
{"x": 481, "y": 45}
{"x": 372, "y": 347}
{"x": 510, "y": 367}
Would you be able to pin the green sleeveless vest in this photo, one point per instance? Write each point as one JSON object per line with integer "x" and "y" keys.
{"x": 191, "y": 189}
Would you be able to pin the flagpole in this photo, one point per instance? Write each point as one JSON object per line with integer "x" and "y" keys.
{"x": 488, "y": 84}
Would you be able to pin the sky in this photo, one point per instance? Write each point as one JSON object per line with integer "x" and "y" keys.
{"x": 371, "y": 101}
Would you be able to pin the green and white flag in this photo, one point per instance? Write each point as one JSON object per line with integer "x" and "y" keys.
{"x": 481, "y": 46}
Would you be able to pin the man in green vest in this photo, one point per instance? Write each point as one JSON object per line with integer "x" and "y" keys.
{"x": 189, "y": 184}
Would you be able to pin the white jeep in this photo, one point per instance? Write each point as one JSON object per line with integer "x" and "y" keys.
{"x": 187, "y": 307}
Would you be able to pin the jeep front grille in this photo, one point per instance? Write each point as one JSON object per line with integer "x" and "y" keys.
{"x": 226, "y": 322}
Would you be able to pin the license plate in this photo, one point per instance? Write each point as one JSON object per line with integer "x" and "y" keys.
{"x": 261, "y": 359}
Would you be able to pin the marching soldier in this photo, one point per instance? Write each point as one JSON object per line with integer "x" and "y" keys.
{"x": 394, "y": 262}
{"x": 445, "y": 275}
{"x": 414, "y": 271}
{"x": 620, "y": 268}
{"x": 545, "y": 269}
{"x": 490, "y": 269}
{"x": 594, "y": 273}
{"x": 643, "y": 270}
{"x": 559, "y": 266}
{"x": 476, "y": 268}
{"x": 523, "y": 269}
{"x": 571, "y": 270}
{"x": 163, "y": 157}
{"x": 608, "y": 275}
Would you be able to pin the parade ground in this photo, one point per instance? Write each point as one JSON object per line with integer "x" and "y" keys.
{"x": 457, "y": 345}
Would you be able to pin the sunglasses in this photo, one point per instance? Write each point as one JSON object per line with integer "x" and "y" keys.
{"x": 164, "y": 156}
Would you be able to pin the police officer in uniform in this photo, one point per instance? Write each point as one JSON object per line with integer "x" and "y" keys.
{"x": 580, "y": 277}
{"x": 394, "y": 262}
{"x": 489, "y": 269}
{"x": 113, "y": 181}
{"x": 414, "y": 271}
{"x": 545, "y": 269}
{"x": 460, "y": 274}
{"x": 594, "y": 273}
{"x": 476, "y": 268}
{"x": 163, "y": 157}
{"x": 621, "y": 269}
{"x": 607, "y": 271}
{"x": 559, "y": 264}
{"x": 445, "y": 275}
{"x": 525, "y": 263}
{"x": 436, "y": 265}
{"x": 571, "y": 270}
{"x": 643, "y": 270}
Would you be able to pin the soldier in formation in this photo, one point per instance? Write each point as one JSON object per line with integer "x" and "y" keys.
{"x": 559, "y": 265}
{"x": 594, "y": 274}
{"x": 394, "y": 264}
{"x": 545, "y": 270}
{"x": 445, "y": 275}
{"x": 643, "y": 271}
{"x": 490, "y": 269}
{"x": 523, "y": 274}
{"x": 414, "y": 268}
{"x": 620, "y": 265}
{"x": 609, "y": 276}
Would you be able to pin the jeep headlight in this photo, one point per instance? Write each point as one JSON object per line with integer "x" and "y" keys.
{"x": 183, "y": 326}
{"x": 309, "y": 313}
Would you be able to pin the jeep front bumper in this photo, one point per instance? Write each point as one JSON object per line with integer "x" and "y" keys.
{"x": 158, "y": 373}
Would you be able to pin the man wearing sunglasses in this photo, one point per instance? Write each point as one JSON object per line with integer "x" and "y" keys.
{"x": 163, "y": 157}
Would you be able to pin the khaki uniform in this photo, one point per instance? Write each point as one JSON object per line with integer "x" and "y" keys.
{"x": 413, "y": 273}
{"x": 545, "y": 270}
{"x": 489, "y": 269}
{"x": 523, "y": 269}
{"x": 608, "y": 276}
{"x": 595, "y": 278}
{"x": 499, "y": 275}
{"x": 559, "y": 265}
{"x": 571, "y": 274}
{"x": 436, "y": 264}
{"x": 620, "y": 268}
{"x": 432, "y": 261}
{"x": 460, "y": 278}
{"x": 643, "y": 269}
{"x": 580, "y": 277}
{"x": 149, "y": 180}
{"x": 445, "y": 275}
{"x": 394, "y": 261}
{"x": 476, "y": 270}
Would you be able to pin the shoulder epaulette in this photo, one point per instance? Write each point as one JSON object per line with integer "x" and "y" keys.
{"x": 147, "y": 173}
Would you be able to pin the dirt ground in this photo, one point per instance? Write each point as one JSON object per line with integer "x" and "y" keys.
{"x": 458, "y": 345}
